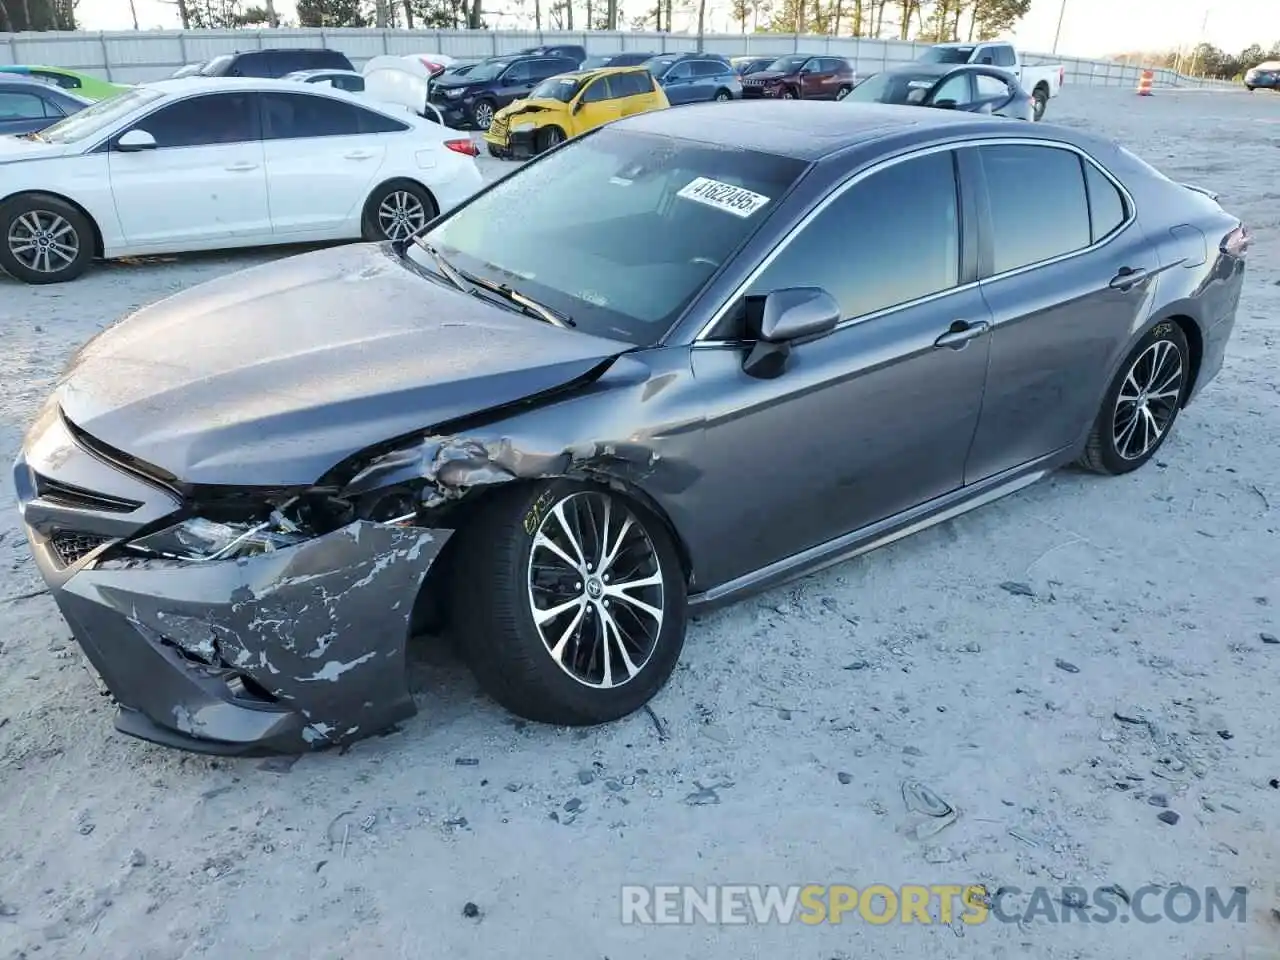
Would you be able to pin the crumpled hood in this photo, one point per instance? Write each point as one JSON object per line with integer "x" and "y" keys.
{"x": 273, "y": 375}
{"x": 766, "y": 75}
{"x": 533, "y": 105}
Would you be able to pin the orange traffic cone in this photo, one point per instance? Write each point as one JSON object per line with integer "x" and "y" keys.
{"x": 1144, "y": 83}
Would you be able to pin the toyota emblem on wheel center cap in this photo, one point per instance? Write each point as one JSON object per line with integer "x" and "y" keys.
{"x": 595, "y": 589}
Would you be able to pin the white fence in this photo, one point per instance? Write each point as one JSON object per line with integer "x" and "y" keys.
{"x": 132, "y": 56}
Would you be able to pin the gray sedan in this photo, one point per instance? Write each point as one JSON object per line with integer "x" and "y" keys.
{"x": 30, "y": 105}
{"x": 686, "y": 356}
{"x": 972, "y": 88}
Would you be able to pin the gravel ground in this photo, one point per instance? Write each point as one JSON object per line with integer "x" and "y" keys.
{"x": 1129, "y": 672}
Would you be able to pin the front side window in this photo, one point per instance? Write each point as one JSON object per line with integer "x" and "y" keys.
{"x": 619, "y": 230}
{"x": 21, "y": 106}
{"x": 292, "y": 116}
{"x": 519, "y": 73}
{"x": 887, "y": 240}
{"x": 788, "y": 64}
{"x": 1039, "y": 208}
{"x": 598, "y": 91}
{"x": 563, "y": 89}
{"x": 681, "y": 71}
{"x": 202, "y": 121}
{"x": 955, "y": 89}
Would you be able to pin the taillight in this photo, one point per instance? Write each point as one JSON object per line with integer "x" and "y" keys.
{"x": 464, "y": 145}
{"x": 1237, "y": 242}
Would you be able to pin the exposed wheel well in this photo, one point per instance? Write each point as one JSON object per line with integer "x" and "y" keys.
{"x": 1041, "y": 87}
{"x": 431, "y": 609}
{"x": 98, "y": 248}
{"x": 1195, "y": 343}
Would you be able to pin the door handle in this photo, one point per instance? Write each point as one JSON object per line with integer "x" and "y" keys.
{"x": 961, "y": 332}
{"x": 1128, "y": 277}
{"x": 241, "y": 167}
{"x": 358, "y": 155}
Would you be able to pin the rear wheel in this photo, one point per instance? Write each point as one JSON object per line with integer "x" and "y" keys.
{"x": 1142, "y": 403}
{"x": 396, "y": 210}
{"x": 723, "y": 96}
{"x": 1040, "y": 102}
{"x": 44, "y": 239}
{"x": 572, "y": 602}
{"x": 843, "y": 92}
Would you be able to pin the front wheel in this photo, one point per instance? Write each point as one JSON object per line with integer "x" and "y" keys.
{"x": 1040, "y": 102}
{"x": 550, "y": 138}
{"x": 789, "y": 94}
{"x": 723, "y": 96}
{"x": 843, "y": 92}
{"x": 572, "y": 602}
{"x": 482, "y": 114}
{"x": 1142, "y": 403}
{"x": 44, "y": 239}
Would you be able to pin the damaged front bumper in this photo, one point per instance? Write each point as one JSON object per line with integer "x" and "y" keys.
{"x": 282, "y": 652}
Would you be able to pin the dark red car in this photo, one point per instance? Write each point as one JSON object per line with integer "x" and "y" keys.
{"x": 801, "y": 76}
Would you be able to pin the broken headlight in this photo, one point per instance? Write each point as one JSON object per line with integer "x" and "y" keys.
{"x": 200, "y": 539}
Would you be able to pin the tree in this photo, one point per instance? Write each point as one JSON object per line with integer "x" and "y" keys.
{"x": 18, "y": 15}
{"x": 332, "y": 13}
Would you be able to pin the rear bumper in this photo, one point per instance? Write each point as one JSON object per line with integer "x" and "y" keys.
{"x": 1271, "y": 81}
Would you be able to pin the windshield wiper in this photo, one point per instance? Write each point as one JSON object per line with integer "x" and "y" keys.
{"x": 446, "y": 269}
{"x": 530, "y": 306}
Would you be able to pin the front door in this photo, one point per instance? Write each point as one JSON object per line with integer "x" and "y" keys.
{"x": 597, "y": 105}
{"x": 204, "y": 181}
{"x": 1062, "y": 309}
{"x": 678, "y": 82}
{"x": 878, "y": 416}
{"x": 320, "y": 164}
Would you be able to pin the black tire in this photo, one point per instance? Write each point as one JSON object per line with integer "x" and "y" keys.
{"x": 549, "y": 138}
{"x": 1249, "y": 88}
{"x": 723, "y": 96}
{"x": 1040, "y": 99}
{"x": 63, "y": 238}
{"x": 1157, "y": 394}
{"x": 391, "y": 196}
{"x": 482, "y": 114}
{"x": 789, "y": 94}
{"x": 495, "y": 598}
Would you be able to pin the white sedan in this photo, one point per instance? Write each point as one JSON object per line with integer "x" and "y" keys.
{"x": 214, "y": 163}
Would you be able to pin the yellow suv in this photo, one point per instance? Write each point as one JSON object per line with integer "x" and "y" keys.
{"x": 568, "y": 105}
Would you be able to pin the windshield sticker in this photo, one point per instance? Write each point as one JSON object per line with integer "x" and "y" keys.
{"x": 621, "y": 181}
{"x": 920, "y": 84}
{"x": 723, "y": 196}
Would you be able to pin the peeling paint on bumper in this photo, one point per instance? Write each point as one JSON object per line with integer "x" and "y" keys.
{"x": 188, "y": 650}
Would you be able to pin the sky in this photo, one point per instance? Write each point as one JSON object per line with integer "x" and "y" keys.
{"x": 1090, "y": 28}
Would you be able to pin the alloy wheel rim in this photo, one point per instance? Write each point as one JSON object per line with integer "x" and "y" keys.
{"x": 841, "y": 94}
{"x": 400, "y": 215}
{"x": 554, "y": 138}
{"x": 43, "y": 241}
{"x": 722, "y": 97}
{"x": 484, "y": 116}
{"x": 1148, "y": 400}
{"x": 595, "y": 590}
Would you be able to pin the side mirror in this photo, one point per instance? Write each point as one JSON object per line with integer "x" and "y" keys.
{"x": 134, "y": 141}
{"x": 784, "y": 318}
{"x": 577, "y": 107}
{"x": 987, "y": 60}
{"x": 944, "y": 104}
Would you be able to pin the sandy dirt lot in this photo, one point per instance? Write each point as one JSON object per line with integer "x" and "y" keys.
{"x": 1133, "y": 675}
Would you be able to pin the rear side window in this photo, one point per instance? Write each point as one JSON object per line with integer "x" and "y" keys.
{"x": 891, "y": 239}
{"x": 1003, "y": 56}
{"x": 21, "y": 106}
{"x": 631, "y": 84}
{"x": 294, "y": 116}
{"x": 708, "y": 68}
{"x": 1039, "y": 208}
{"x": 1107, "y": 209}
{"x": 327, "y": 59}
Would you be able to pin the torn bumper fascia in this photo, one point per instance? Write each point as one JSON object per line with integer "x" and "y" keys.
{"x": 321, "y": 627}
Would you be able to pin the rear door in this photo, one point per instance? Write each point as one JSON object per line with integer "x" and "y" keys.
{"x": 824, "y": 81}
{"x": 1060, "y": 241}
{"x": 635, "y": 92}
{"x": 205, "y": 180}
{"x": 708, "y": 75}
{"x": 990, "y": 93}
{"x": 322, "y": 157}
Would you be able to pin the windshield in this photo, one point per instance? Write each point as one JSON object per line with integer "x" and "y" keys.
{"x": 592, "y": 63}
{"x": 893, "y": 88}
{"x": 946, "y": 55}
{"x": 217, "y": 66}
{"x": 489, "y": 70}
{"x": 557, "y": 88}
{"x": 93, "y": 120}
{"x": 619, "y": 230}
{"x": 788, "y": 64}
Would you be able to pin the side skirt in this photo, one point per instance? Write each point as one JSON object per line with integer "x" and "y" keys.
{"x": 881, "y": 533}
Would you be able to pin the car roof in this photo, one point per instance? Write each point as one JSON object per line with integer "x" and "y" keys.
{"x": 14, "y": 81}
{"x": 600, "y": 72}
{"x": 321, "y": 71}
{"x": 805, "y": 129}
{"x": 179, "y": 85}
{"x": 929, "y": 67}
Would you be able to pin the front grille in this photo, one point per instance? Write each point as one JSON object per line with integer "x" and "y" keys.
{"x": 66, "y": 495}
{"x": 71, "y": 547}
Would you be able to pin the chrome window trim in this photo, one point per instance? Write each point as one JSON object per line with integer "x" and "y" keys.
{"x": 701, "y": 338}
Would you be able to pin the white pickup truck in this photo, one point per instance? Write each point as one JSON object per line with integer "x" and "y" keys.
{"x": 1042, "y": 81}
